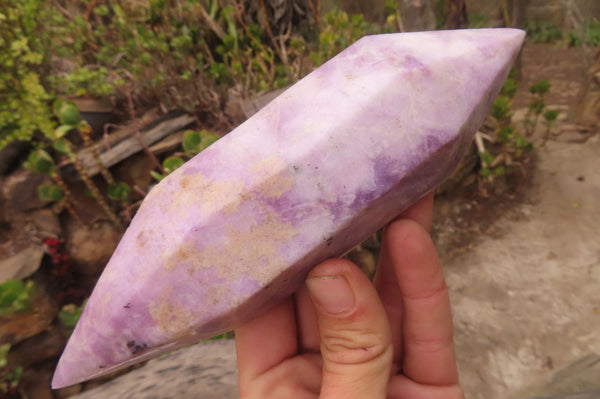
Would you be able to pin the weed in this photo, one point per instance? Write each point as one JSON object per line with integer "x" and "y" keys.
{"x": 591, "y": 35}
{"x": 193, "y": 142}
{"x": 506, "y": 147}
{"x": 23, "y": 98}
{"x": 543, "y": 32}
{"x": 537, "y": 105}
{"x": 69, "y": 315}
{"x": 16, "y": 296}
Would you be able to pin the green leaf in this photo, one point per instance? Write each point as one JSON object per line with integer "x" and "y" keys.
{"x": 509, "y": 88}
{"x": 119, "y": 191}
{"x": 522, "y": 143}
{"x": 485, "y": 172}
{"x": 70, "y": 314}
{"x": 56, "y": 106}
{"x": 50, "y": 192}
{"x": 68, "y": 113}
{"x": 506, "y": 133}
{"x": 4, "y": 349}
{"x": 16, "y": 296}
{"x": 208, "y": 138}
{"x": 541, "y": 88}
{"x": 537, "y": 107}
{"x": 501, "y": 108}
{"x": 156, "y": 175}
{"x": 61, "y": 130}
{"x": 172, "y": 163}
{"x": 62, "y": 146}
{"x": 551, "y": 115}
{"x": 40, "y": 162}
{"x": 486, "y": 158}
{"x": 14, "y": 377}
{"x": 191, "y": 141}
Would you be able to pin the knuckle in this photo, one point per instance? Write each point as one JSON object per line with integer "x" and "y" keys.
{"x": 353, "y": 347}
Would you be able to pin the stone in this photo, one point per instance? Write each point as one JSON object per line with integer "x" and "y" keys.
{"x": 90, "y": 247}
{"x": 46, "y": 223}
{"x": 46, "y": 345}
{"x": 10, "y": 155}
{"x": 135, "y": 170}
{"x": 17, "y": 327}
{"x": 20, "y": 191}
{"x": 36, "y": 383}
{"x": 21, "y": 265}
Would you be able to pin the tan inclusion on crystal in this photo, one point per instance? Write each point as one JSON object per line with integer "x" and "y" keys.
{"x": 212, "y": 196}
{"x": 170, "y": 316}
{"x": 251, "y": 248}
{"x": 269, "y": 175}
{"x": 256, "y": 244}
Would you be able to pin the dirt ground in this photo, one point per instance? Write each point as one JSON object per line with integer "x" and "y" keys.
{"x": 525, "y": 285}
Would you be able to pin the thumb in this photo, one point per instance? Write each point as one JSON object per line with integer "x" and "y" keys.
{"x": 354, "y": 329}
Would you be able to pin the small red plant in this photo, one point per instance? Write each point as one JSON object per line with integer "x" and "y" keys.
{"x": 63, "y": 278}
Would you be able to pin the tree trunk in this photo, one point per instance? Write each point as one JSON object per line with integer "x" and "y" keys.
{"x": 456, "y": 14}
{"x": 517, "y": 10}
{"x": 417, "y": 15}
{"x": 373, "y": 10}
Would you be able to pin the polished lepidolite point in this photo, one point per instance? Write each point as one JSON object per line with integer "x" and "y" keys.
{"x": 335, "y": 157}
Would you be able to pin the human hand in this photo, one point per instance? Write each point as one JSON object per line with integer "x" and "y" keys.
{"x": 341, "y": 336}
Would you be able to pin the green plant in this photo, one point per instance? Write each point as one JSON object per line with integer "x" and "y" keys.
{"x": 543, "y": 32}
{"x": 50, "y": 192}
{"x": 185, "y": 54}
{"x": 339, "y": 31}
{"x": 478, "y": 21}
{"x": 193, "y": 142}
{"x": 573, "y": 40}
{"x": 39, "y": 161}
{"x": 69, "y": 117}
{"x": 591, "y": 35}
{"x": 4, "y": 349}
{"x": 69, "y": 315}
{"x": 592, "y": 32}
{"x": 16, "y": 296}
{"x": 537, "y": 105}
{"x": 507, "y": 147}
{"x": 225, "y": 335}
{"x": 119, "y": 192}
{"x": 23, "y": 56}
{"x": 11, "y": 382}
{"x": 85, "y": 81}
{"x": 168, "y": 166}
{"x": 550, "y": 117}
{"x": 501, "y": 109}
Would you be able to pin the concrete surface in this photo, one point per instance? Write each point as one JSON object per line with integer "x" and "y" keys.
{"x": 203, "y": 371}
{"x": 526, "y": 299}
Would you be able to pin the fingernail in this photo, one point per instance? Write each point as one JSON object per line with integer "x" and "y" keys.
{"x": 332, "y": 293}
